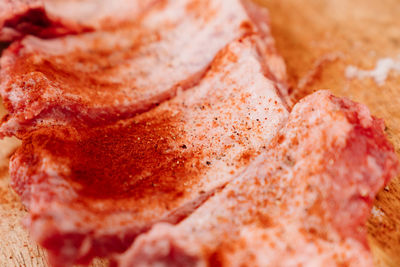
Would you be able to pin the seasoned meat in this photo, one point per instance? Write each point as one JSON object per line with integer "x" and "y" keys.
{"x": 161, "y": 136}
{"x": 101, "y": 77}
{"x": 303, "y": 202}
{"x": 91, "y": 191}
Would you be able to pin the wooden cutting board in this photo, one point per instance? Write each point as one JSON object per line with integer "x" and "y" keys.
{"x": 319, "y": 39}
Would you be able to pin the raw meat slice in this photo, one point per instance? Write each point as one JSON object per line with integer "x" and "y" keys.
{"x": 52, "y": 18}
{"x": 304, "y": 202}
{"x": 90, "y": 192}
{"x": 98, "y": 78}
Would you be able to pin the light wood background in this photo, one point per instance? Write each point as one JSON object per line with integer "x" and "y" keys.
{"x": 318, "y": 39}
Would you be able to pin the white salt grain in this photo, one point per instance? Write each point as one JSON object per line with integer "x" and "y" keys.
{"x": 379, "y": 73}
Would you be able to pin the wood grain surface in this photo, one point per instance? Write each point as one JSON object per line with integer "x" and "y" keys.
{"x": 319, "y": 39}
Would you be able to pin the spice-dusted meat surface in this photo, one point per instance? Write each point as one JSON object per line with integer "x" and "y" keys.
{"x": 91, "y": 191}
{"x": 303, "y": 202}
{"x": 101, "y": 77}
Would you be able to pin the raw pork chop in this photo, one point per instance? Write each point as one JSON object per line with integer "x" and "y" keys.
{"x": 52, "y": 18}
{"x": 102, "y": 77}
{"x": 304, "y": 202}
{"x": 90, "y": 192}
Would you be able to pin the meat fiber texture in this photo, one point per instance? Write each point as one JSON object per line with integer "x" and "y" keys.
{"x": 303, "y": 202}
{"x": 53, "y": 18}
{"x": 91, "y": 191}
{"x": 98, "y": 78}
